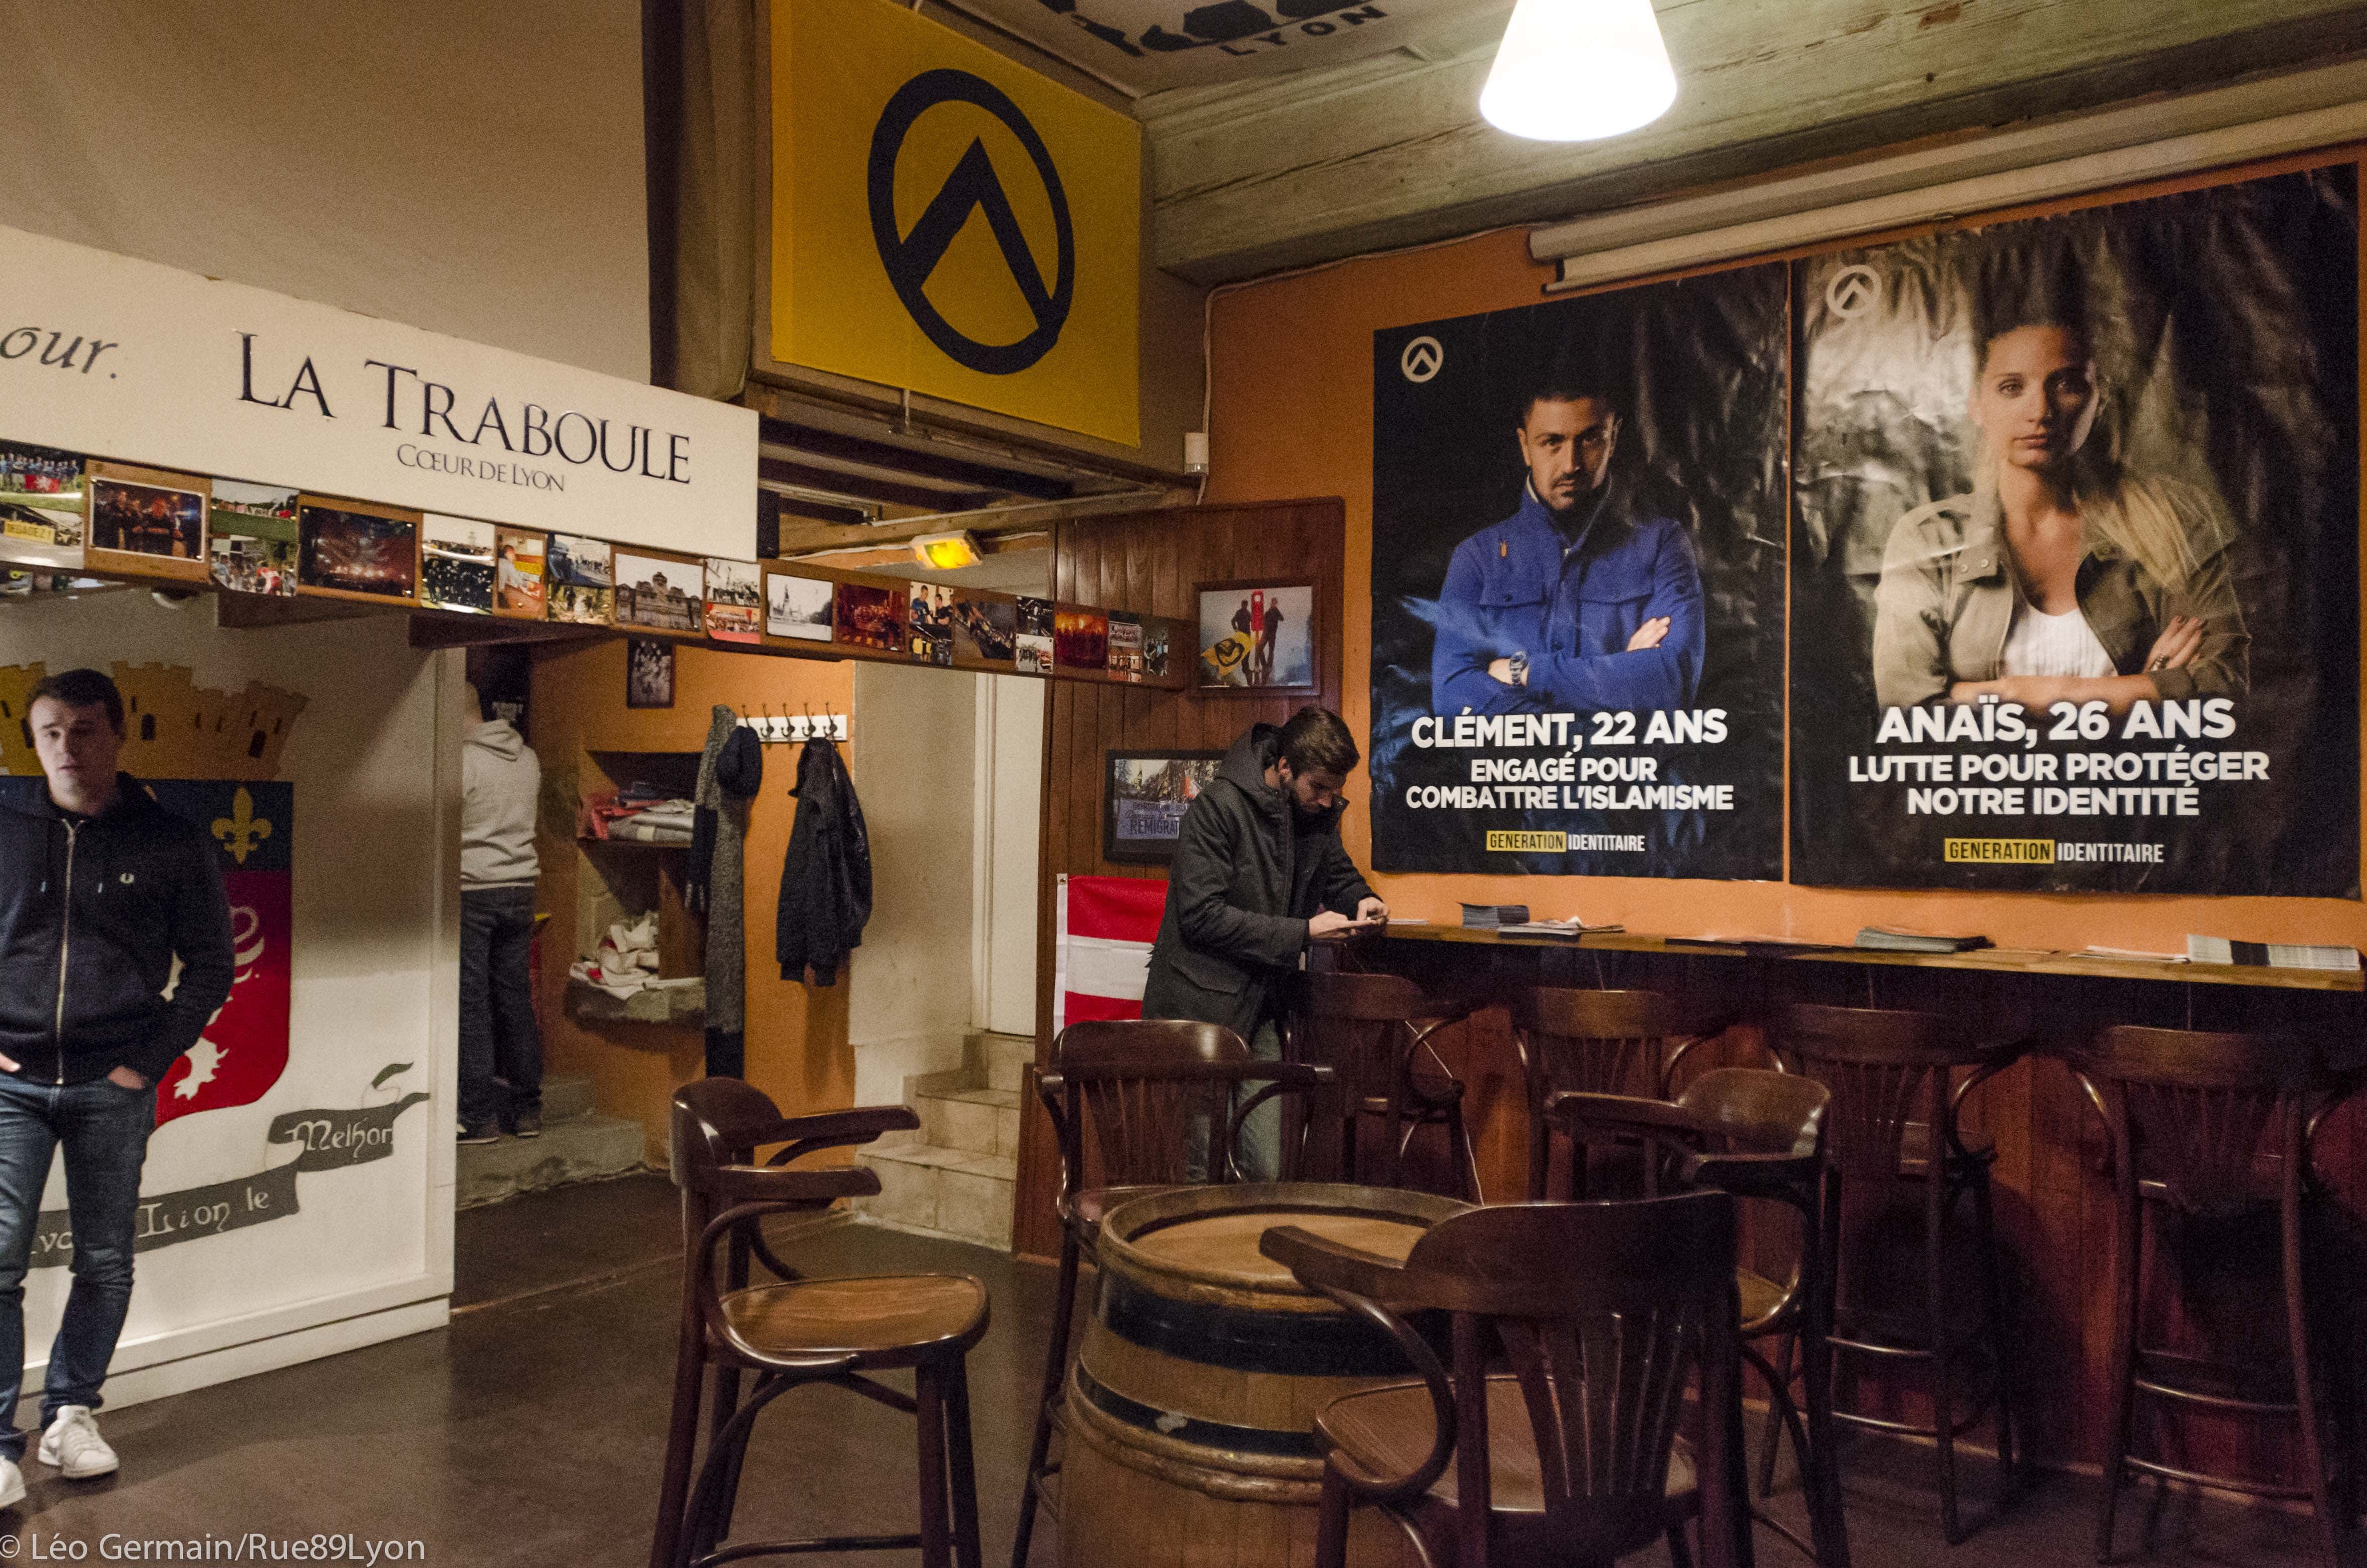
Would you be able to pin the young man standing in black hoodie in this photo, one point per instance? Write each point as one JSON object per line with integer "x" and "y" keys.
{"x": 1259, "y": 873}
{"x": 100, "y": 889}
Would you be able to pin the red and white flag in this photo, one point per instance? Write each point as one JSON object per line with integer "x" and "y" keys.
{"x": 1103, "y": 952}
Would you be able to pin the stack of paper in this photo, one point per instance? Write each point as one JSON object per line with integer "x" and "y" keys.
{"x": 1894, "y": 939}
{"x": 2270, "y": 955}
{"x": 1573, "y": 926}
{"x": 1494, "y": 916}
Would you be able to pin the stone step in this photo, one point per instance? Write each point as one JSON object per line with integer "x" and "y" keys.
{"x": 566, "y": 1097}
{"x": 976, "y": 1121}
{"x": 942, "y": 1192}
{"x": 1001, "y": 1058}
{"x": 580, "y": 1147}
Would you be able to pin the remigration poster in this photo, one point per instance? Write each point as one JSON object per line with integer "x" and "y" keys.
{"x": 1577, "y": 585}
{"x": 2075, "y": 560}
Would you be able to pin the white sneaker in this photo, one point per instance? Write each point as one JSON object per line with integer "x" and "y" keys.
{"x": 73, "y": 1445}
{"x": 12, "y": 1484}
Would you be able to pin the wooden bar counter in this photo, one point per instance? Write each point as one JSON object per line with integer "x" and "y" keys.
{"x": 2053, "y": 1195}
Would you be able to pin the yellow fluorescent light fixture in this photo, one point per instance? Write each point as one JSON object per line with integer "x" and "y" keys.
{"x": 946, "y": 551}
{"x": 1578, "y": 69}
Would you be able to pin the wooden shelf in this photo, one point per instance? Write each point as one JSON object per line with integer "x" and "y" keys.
{"x": 2012, "y": 960}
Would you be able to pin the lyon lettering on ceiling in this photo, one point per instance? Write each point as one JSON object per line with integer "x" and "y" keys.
{"x": 1149, "y": 46}
{"x": 947, "y": 221}
{"x": 115, "y": 358}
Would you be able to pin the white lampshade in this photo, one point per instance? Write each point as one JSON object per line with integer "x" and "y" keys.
{"x": 1576, "y": 69}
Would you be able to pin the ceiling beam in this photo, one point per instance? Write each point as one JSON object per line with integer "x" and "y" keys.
{"x": 1380, "y": 153}
{"x": 829, "y": 449}
{"x": 900, "y": 492}
{"x": 986, "y": 523}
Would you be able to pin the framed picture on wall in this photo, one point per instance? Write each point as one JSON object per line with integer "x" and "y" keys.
{"x": 250, "y": 537}
{"x": 148, "y": 521}
{"x": 518, "y": 563}
{"x": 1144, "y": 796}
{"x": 648, "y": 673}
{"x": 1257, "y": 636}
{"x": 455, "y": 564}
{"x": 358, "y": 550}
{"x": 796, "y": 606}
{"x": 660, "y": 593}
{"x": 735, "y": 600}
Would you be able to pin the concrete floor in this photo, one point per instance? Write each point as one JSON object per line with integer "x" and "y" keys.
{"x": 530, "y": 1432}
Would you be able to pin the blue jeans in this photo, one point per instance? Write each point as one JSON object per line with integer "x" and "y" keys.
{"x": 1257, "y": 1154}
{"x": 499, "y": 1043}
{"x": 103, "y": 1127}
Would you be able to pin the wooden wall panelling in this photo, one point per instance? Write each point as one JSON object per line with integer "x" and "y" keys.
{"x": 1148, "y": 564}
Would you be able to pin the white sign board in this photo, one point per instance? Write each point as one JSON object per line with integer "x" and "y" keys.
{"x": 113, "y": 358}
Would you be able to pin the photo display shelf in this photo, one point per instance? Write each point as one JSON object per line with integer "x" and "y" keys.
{"x": 473, "y": 581}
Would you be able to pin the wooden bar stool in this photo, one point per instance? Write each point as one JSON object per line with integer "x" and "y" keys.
{"x": 1599, "y": 1314}
{"x": 1893, "y": 1124}
{"x": 1373, "y": 1029}
{"x": 2211, "y": 1129}
{"x": 800, "y": 1331}
{"x": 1137, "y": 1085}
{"x": 1603, "y": 1043}
{"x": 1757, "y": 1136}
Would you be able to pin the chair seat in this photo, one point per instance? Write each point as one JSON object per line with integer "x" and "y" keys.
{"x": 1389, "y": 1429}
{"x": 887, "y": 1319}
{"x": 1761, "y": 1297}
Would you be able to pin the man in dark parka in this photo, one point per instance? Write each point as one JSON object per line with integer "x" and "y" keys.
{"x": 1259, "y": 873}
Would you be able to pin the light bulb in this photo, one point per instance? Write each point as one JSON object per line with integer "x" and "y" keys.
{"x": 1576, "y": 70}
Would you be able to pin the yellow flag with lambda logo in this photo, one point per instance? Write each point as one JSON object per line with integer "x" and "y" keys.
{"x": 949, "y": 221}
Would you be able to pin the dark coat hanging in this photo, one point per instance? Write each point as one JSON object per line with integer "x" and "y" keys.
{"x": 826, "y": 875}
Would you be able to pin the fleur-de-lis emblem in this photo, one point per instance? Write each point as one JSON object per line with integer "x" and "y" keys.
{"x": 242, "y": 831}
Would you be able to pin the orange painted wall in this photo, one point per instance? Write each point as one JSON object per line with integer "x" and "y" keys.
{"x": 1292, "y": 369}
{"x": 798, "y": 1049}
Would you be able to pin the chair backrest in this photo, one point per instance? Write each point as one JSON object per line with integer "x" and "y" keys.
{"x": 718, "y": 1123}
{"x": 1750, "y": 1111}
{"x": 1602, "y": 1312}
{"x": 1886, "y": 1069}
{"x": 1358, "y": 1026}
{"x": 1128, "y": 1092}
{"x": 2202, "y": 1114}
{"x": 1604, "y": 1042}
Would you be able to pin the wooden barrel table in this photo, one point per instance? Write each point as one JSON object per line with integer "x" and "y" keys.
{"x": 1191, "y": 1404}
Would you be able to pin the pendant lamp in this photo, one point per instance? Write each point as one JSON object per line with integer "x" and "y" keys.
{"x": 1576, "y": 70}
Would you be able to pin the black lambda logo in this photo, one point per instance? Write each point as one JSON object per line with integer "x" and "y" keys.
{"x": 911, "y": 259}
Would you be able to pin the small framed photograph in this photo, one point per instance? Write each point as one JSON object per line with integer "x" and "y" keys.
{"x": 870, "y": 617}
{"x": 42, "y": 506}
{"x": 1257, "y": 636}
{"x": 648, "y": 673}
{"x": 929, "y": 621}
{"x": 147, "y": 521}
{"x": 985, "y": 625}
{"x": 1124, "y": 646}
{"x": 579, "y": 578}
{"x": 735, "y": 600}
{"x": 1144, "y": 796}
{"x": 455, "y": 564}
{"x": 1080, "y": 638}
{"x": 797, "y": 607}
{"x": 660, "y": 593}
{"x": 358, "y": 550}
{"x": 1033, "y": 639}
{"x": 519, "y": 557}
{"x": 250, "y": 537}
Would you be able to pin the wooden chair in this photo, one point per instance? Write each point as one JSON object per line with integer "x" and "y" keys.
{"x": 1600, "y": 1312}
{"x": 1757, "y": 1136}
{"x": 801, "y": 1331}
{"x": 1893, "y": 1123}
{"x": 1136, "y": 1086}
{"x": 1604, "y": 1042}
{"x": 1374, "y": 1031}
{"x": 2193, "y": 1119}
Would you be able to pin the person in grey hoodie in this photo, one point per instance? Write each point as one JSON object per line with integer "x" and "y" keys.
{"x": 501, "y": 780}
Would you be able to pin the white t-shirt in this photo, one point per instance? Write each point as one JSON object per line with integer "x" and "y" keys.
{"x": 2042, "y": 644}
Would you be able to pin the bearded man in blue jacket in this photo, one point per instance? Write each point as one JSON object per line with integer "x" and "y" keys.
{"x": 1588, "y": 598}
